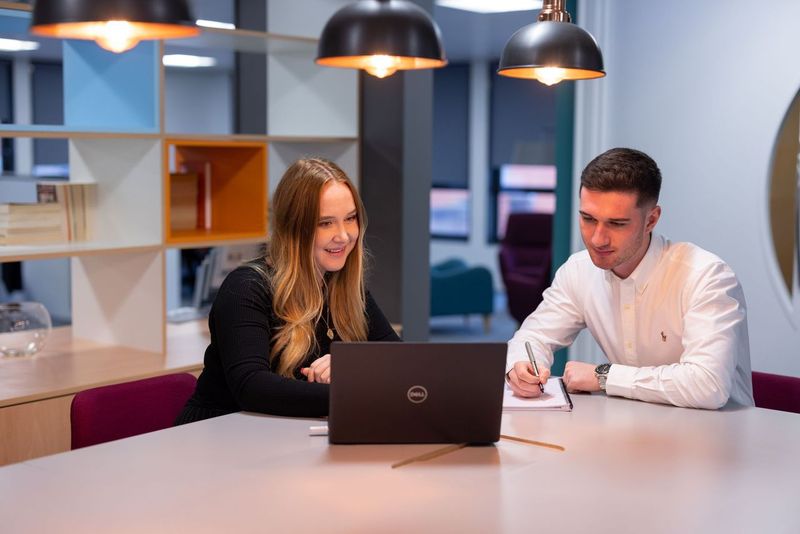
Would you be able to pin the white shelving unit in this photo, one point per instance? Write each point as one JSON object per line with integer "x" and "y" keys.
{"x": 115, "y": 115}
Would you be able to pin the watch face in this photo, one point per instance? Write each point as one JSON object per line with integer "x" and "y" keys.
{"x": 602, "y": 369}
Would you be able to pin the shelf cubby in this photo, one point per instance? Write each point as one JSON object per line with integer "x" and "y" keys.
{"x": 309, "y": 100}
{"x": 128, "y": 177}
{"x": 118, "y": 299}
{"x": 107, "y": 90}
{"x": 238, "y": 199}
{"x": 282, "y": 153}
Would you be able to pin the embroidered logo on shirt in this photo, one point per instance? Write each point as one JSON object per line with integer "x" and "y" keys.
{"x": 663, "y": 336}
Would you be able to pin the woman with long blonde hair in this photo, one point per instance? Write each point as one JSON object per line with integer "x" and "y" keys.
{"x": 273, "y": 319}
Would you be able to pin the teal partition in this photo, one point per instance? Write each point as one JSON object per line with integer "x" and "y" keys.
{"x": 106, "y": 91}
{"x": 562, "y": 219}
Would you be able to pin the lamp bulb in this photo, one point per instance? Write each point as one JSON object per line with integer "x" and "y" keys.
{"x": 116, "y": 35}
{"x": 550, "y": 75}
{"x": 381, "y": 66}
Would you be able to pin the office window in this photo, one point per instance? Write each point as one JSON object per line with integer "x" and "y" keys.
{"x": 450, "y": 211}
{"x": 450, "y": 196}
{"x": 522, "y": 189}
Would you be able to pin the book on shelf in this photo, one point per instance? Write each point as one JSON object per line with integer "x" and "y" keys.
{"x": 31, "y": 223}
{"x": 24, "y": 209}
{"x": 77, "y": 202}
{"x": 202, "y": 169}
{"x": 183, "y": 192}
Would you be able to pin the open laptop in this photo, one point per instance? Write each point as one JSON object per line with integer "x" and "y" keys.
{"x": 385, "y": 392}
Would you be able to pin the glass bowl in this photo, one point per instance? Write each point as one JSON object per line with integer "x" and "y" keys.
{"x": 24, "y": 328}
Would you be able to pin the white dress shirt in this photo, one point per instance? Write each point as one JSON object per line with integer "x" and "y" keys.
{"x": 675, "y": 330}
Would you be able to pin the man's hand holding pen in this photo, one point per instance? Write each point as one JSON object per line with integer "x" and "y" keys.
{"x": 523, "y": 381}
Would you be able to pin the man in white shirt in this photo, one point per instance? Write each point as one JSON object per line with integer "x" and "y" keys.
{"x": 670, "y": 317}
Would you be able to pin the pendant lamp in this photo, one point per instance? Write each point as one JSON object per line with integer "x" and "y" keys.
{"x": 116, "y": 25}
{"x": 552, "y": 49}
{"x": 381, "y": 37}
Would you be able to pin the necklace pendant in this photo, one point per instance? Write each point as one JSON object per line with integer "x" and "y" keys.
{"x": 330, "y": 333}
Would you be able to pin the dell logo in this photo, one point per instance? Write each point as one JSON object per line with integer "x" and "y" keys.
{"x": 417, "y": 394}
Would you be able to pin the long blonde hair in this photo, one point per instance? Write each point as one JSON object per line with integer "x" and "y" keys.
{"x": 298, "y": 294}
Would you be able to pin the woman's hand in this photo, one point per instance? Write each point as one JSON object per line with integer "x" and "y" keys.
{"x": 319, "y": 370}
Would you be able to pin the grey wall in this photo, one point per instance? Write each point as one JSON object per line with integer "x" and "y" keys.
{"x": 703, "y": 88}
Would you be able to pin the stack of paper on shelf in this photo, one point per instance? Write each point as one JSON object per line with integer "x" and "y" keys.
{"x": 29, "y": 224}
{"x": 183, "y": 190}
{"x": 76, "y": 202}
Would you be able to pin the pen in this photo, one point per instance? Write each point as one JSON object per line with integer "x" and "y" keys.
{"x": 533, "y": 363}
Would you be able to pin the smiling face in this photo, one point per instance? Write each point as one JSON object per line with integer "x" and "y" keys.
{"x": 337, "y": 228}
{"x": 615, "y": 230}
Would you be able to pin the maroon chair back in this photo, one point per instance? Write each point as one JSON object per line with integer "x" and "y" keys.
{"x": 122, "y": 410}
{"x": 529, "y": 230}
{"x": 776, "y": 392}
{"x": 525, "y": 256}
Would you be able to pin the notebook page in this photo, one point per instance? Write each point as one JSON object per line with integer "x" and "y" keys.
{"x": 553, "y": 398}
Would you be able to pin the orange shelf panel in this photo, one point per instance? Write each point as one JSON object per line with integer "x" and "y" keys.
{"x": 238, "y": 184}
{"x": 179, "y": 237}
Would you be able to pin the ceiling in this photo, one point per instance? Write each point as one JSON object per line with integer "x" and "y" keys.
{"x": 472, "y": 36}
{"x": 467, "y": 36}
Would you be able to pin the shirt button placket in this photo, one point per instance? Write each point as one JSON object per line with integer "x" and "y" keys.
{"x": 628, "y": 291}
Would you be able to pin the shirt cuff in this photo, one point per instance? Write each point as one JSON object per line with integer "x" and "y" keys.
{"x": 620, "y": 380}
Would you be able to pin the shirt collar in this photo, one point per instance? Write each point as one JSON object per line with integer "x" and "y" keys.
{"x": 641, "y": 275}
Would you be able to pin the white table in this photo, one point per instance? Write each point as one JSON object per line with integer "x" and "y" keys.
{"x": 628, "y": 467}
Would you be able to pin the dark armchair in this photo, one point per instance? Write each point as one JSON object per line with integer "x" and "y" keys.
{"x": 525, "y": 258}
{"x": 457, "y": 289}
{"x": 776, "y": 392}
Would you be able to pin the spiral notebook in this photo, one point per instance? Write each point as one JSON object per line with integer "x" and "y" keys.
{"x": 554, "y": 398}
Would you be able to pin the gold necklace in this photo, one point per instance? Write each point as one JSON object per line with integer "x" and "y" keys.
{"x": 329, "y": 333}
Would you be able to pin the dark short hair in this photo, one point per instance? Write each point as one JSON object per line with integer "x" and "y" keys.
{"x": 624, "y": 169}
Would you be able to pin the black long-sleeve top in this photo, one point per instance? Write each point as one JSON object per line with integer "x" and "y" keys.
{"x": 238, "y": 374}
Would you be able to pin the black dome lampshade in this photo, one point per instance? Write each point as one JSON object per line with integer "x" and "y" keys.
{"x": 552, "y": 49}
{"x": 381, "y": 37}
{"x": 116, "y": 25}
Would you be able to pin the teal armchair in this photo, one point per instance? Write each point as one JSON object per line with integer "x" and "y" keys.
{"x": 457, "y": 289}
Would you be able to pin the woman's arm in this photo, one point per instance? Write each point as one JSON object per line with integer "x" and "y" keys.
{"x": 242, "y": 323}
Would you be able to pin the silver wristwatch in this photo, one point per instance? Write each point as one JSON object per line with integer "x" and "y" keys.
{"x": 601, "y": 372}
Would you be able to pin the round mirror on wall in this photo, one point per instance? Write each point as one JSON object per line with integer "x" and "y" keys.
{"x": 784, "y": 197}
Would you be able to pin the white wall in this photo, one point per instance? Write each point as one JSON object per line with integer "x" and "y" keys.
{"x": 703, "y": 87}
{"x": 475, "y": 251}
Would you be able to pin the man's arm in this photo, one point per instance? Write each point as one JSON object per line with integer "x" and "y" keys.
{"x": 714, "y": 338}
{"x": 553, "y": 325}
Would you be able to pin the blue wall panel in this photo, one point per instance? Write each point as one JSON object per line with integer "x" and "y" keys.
{"x": 14, "y": 22}
{"x": 108, "y": 91}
